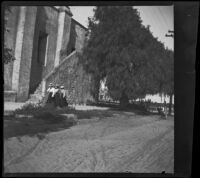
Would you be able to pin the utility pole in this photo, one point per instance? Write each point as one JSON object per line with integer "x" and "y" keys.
{"x": 171, "y": 34}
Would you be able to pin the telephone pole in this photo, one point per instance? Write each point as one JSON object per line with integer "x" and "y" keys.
{"x": 171, "y": 34}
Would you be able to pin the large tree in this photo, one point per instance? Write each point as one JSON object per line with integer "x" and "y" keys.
{"x": 164, "y": 74}
{"x": 121, "y": 49}
{"x": 168, "y": 86}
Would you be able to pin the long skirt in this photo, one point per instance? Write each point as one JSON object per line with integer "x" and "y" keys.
{"x": 63, "y": 101}
{"x": 57, "y": 100}
{"x": 50, "y": 99}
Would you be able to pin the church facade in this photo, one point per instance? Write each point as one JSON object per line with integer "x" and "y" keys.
{"x": 46, "y": 41}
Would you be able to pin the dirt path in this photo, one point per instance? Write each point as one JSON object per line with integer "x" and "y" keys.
{"x": 123, "y": 143}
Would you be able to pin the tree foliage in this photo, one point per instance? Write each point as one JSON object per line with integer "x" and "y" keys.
{"x": 121, "y": 49}
{"x": 168, "y": 87}
{"x": 8, "y": 55}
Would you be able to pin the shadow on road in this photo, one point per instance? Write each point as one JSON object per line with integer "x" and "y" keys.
{"x": 45, "y": 122}
{"x": 16, "y": 127}
{"x": 134, "y": 108}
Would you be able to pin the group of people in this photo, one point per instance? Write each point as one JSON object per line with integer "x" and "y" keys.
{"x": 57, "y": 95}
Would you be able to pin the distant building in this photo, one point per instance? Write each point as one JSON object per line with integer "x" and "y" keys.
{"x": 103, "y": 94}
{"x": 46, "y": 41}
{"x": 159, "y": 98}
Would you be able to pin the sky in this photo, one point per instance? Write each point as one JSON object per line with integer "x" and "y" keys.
{"x": 160, "y": 19}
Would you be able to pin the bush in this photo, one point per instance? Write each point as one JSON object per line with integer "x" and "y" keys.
{"x": 29, "y": 108}
{"x": 90, "y": 102}
{"x": 54, "y": 115}
{"x": 42, "y": 112}
{"x": 8, "y": 55}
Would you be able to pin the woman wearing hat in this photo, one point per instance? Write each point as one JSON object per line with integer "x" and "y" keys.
{"x": 50, "y": 92}
{"x": 63, "y": 98}
{"x": 56, "y": 95}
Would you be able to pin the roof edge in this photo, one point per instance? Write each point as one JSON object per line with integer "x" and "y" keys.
{"x": 80, "y": 24}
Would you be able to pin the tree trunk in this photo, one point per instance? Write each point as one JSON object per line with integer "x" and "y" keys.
{"x": 124, "y": 101}
{"x": 161, "y": 98}
{"x": 170, "y": 104}
{"x": 96, "y": 86}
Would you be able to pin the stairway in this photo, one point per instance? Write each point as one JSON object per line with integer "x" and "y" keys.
{"x": 36, "y": 96}
{"x": 10, "y": 96}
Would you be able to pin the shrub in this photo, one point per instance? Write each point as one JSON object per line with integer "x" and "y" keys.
{"x": 28, "y": 108}
{"x": 44, "y": 113}
{"x": 38, "y": 109}
{"x": 90, "y": 102}
{"x": 8, "y": 55}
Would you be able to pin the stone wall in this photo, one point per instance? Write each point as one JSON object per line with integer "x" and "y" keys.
{"x": 69, "y": 73}
{"x": 66, "y": 37}
{"x": 76, "y": 39}
{"x": 27, "y": 52}
{"x": 9, "y": 41}
{"x": 80, "y": 33}
{"x": 37, "y": 65}
{"x": 76, "y": 81}
{"x": 51, "y": 29}
{"x": 67, "y": 48}
{"x": 46, "y": 24}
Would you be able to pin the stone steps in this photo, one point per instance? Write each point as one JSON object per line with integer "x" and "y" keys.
{"x": 34, "y": 98}
{"x": 10, "y": 96}
{"x": 10, "y": 107}
{"x": 37, "y": 96}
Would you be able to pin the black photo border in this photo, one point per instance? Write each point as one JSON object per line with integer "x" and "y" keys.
{"x": 186, "y": 62}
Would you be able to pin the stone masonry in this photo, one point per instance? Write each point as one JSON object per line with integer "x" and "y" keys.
{"x": 46, "y": 41}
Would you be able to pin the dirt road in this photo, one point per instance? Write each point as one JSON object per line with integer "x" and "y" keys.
{"x": 123, "y": 143}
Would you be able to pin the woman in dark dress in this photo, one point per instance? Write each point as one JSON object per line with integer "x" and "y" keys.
{"x": 50, "y": 91}
{"x": 63, "y": 99}
{"x": 56, "y": 96}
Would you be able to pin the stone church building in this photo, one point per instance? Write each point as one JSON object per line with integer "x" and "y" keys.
{"x": 46, "y": 41}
